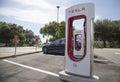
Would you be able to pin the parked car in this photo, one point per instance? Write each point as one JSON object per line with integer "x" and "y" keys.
{"x": 58, "y": 46}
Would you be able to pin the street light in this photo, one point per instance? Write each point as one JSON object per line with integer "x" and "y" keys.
{"x": 58, "y": 13}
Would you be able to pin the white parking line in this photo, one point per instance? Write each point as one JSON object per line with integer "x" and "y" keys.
{"x": 117, "y": 53}
{"x": 32, "y": 68}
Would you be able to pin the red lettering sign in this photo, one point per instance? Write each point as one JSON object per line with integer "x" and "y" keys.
{"x": 36, "y": 40}
{"x": 76, "y": 10}
{"x": 15, "y": 38}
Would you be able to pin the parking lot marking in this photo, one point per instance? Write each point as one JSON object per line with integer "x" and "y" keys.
{"x": 117, "y": 53}
{"x": 32, "y": 68}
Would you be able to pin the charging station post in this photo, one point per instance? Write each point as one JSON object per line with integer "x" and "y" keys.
{"x": 79, "y": 45}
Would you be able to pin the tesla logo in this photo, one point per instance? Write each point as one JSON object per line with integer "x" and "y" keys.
{"x": 76, "y": 10}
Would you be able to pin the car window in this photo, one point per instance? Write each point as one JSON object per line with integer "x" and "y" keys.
{"x": 62, "y": 41}
{"x": 57, "y": 42}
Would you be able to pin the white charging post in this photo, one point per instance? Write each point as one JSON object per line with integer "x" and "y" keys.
{"x": 79, "y": 45}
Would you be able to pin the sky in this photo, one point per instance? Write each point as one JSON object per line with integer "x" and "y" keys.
{"x": 34, "y": 14}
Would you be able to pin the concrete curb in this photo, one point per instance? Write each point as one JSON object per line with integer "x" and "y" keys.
{"x": 101, "y": 61}
{"x": 20, "y": 54}
{"x": 73, "y": 78}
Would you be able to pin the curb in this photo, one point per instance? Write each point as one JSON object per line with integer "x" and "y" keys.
{"x": 101, "y": 61}
{"x": 66, "y": 77}
{"x": 20, "y": 55}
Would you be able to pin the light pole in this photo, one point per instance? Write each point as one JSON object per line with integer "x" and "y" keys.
{"x": 58, "y": 13}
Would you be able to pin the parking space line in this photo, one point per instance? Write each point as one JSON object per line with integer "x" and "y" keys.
{"x": 117, "y": 53}
{"x": 32, "y": 68}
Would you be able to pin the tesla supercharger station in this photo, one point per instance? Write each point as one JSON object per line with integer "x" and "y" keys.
{"x": 79, "y": 42}
{"x": 78, "y": 61}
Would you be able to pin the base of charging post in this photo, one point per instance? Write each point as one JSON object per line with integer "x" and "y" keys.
{"x": 73, "y": 78}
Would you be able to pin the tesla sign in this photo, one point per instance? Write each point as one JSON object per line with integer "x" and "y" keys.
{"x": 79, "y": 39}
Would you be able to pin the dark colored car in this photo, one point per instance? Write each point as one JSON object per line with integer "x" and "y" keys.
{"x": 57, "y": 46}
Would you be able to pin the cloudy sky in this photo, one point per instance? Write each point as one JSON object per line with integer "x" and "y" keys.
{"x": 33, "y": 14}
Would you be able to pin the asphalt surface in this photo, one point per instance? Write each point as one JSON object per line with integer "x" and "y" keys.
{"x": 39, "y": 67}
{"x": 112, "y": 55}
{"x": 13, "y": 73}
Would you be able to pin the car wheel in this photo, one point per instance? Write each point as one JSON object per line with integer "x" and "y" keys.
{"x": 45, "y": 50}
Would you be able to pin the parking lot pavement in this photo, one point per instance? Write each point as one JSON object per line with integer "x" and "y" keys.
{"x": 112, "y": 55}
{"x": 14, "y": 73}
{"x": 39, "y": 67}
